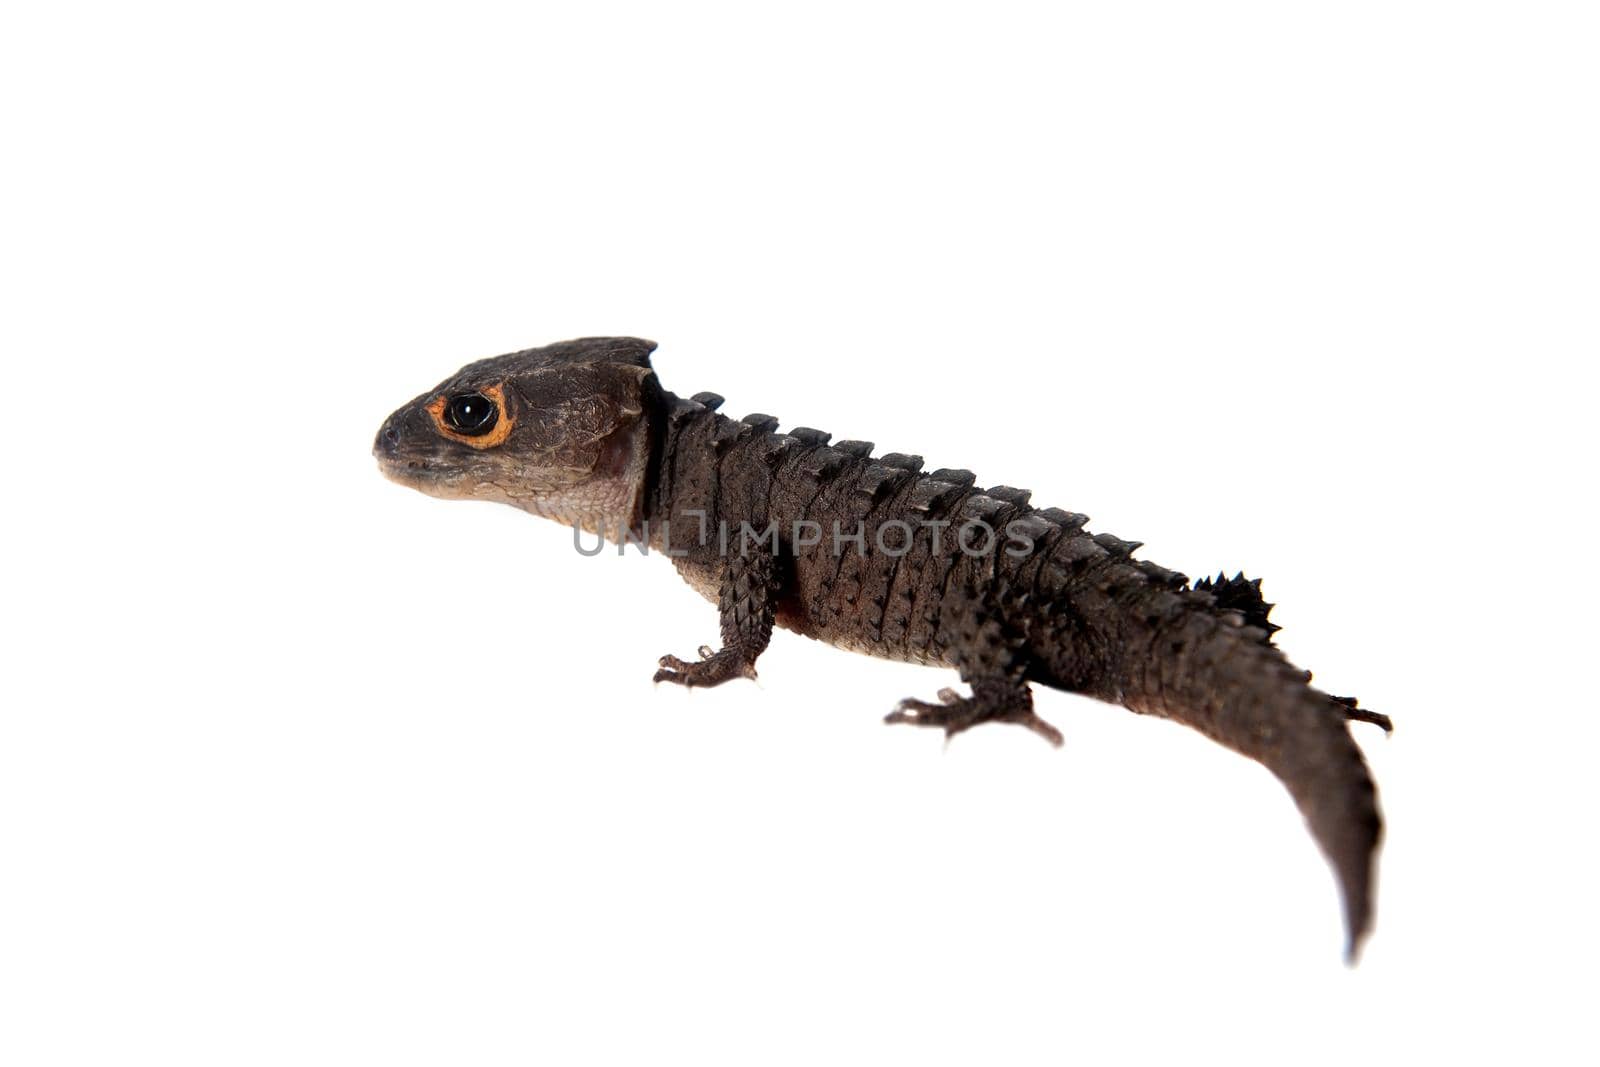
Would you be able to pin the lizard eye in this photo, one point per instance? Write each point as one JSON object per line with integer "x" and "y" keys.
{"x": 471, "y": 414}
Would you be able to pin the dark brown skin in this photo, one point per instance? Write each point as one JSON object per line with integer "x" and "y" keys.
{"x": 583, "y": 433}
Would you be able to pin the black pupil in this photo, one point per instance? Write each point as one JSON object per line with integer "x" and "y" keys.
{"x": 471, "y": 413}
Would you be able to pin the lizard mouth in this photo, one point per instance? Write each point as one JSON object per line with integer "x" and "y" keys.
{"x": 425, "y": 476}
{"x": 406, "y": 471}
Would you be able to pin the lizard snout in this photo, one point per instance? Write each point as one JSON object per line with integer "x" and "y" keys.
{"x": 387, "y": 444}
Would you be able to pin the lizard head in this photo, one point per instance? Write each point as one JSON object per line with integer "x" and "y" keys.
{"x": 561, "y": 431}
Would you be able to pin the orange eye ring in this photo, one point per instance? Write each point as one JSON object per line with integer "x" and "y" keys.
{"x": 496, "y": 436}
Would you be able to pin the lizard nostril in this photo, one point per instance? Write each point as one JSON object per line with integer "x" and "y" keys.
{"x": 388, "y": 440}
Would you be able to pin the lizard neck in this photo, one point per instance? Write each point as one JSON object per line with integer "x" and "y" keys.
{"x": 683, "y": 469}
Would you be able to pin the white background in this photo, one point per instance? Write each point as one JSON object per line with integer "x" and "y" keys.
{"x": 298, "y": 766}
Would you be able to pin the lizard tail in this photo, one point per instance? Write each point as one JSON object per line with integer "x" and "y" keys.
{"x": 1225, "y": 681}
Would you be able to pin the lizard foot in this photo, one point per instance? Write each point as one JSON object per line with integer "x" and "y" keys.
{"x": 955, "y": 713}
{"x": 712, "y": 668}
{"x": 1354, "y": 714}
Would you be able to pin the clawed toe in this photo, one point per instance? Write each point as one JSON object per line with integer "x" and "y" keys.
{"x": 955, "y": 714}
{"x": 1377, "y": 719}
{"x": 713, "y": 668}
{"x": 1040, "y": 727}
{"x": 1353, "y": 713}
{"x": 917, "y": 712}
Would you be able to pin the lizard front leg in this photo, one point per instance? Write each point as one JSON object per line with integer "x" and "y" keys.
{"x": 745, "y": 603}
{"x": 992, "y": 662}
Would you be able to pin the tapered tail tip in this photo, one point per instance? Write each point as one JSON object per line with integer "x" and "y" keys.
{"x": 1357, "y": 889}
{"x": 1353, "y": 946}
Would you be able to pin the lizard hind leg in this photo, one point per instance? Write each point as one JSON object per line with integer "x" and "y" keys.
{"x": 712, "y": 668}
{"x": 992, "y": 700}
{"x": 992, "y": 660}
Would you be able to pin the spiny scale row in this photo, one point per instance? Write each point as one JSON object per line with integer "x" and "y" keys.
{"x": 889, "y": 473}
